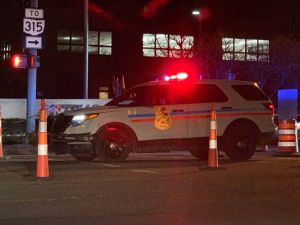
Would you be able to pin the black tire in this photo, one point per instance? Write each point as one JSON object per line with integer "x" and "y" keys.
{"x": 83, "y": 156}
{"x": 113, "y": 145}
{"x": 202, "y": 155}
{"x": 239, "y": 142}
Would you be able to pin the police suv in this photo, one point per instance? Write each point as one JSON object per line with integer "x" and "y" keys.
{"x": 169, "y": 115}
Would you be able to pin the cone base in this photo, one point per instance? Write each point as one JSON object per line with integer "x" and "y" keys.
{"x": 213, "y": 158}
{"x": 286, "y": 149}
{"x": 42, "y": 166}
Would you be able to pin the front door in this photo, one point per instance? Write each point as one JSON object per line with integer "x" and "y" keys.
{"x": 158, "y": 114}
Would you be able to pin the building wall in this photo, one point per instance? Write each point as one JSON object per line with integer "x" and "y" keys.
{"x": 61, "y": 75}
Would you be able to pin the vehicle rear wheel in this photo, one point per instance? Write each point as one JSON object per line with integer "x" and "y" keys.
{"x": 240, "y": 142}
{"x": 113, "y": 145}
{"x": 82, "y": 155}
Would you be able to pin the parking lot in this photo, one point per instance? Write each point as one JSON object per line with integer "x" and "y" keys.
{"x": 151, "y": 188}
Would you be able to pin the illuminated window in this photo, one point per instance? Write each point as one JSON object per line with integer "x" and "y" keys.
{"x": 245, "y": 49}
{"x": 100, "y": 43}
{"x": 166, "y": 45}
{"x": 5, "y": 51}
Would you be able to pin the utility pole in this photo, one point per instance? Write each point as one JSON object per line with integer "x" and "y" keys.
{"x": 86, "y": 50}
{"x": 31, "y": 87}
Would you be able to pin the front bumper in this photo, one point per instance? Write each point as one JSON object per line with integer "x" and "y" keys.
{"x": 61, "y": 143}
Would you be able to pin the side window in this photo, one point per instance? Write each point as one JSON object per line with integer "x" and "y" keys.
{"x": 162, "y": 95}
{"x": 157, "y": 95}
{"x": 131, "y": 97}
{"x": 206, "y": 93}
{"x": 146, "y": 96}
{"x": 250, "y": 92}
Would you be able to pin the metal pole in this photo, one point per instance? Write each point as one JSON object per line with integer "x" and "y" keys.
{"x": 86, "y": 49}
{"x": 31, "y": 88}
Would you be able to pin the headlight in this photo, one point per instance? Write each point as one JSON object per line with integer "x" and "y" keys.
{"x": 79, "y": 119}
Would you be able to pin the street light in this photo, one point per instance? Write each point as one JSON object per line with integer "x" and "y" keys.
{"x": 196, "y": 12}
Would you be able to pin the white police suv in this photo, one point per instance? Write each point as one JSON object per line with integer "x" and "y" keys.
{"x": 169, "y": 115}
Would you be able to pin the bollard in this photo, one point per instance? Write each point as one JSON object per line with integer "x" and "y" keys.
{"x": 42, "y": 160}
{"x": 287, "y": 136}
{"x": 213, "y": 152}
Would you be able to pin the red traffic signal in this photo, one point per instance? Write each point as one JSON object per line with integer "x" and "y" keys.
{"x": 20, "y": 61}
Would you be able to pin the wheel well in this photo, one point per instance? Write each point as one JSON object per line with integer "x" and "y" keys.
{"x": 117, "y": 125}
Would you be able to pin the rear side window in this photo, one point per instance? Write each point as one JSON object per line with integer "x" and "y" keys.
{"x": 250, "y": 92}
{"x": 206, "y": 93}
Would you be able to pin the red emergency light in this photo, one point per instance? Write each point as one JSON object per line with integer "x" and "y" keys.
{"x": 178, "y": 77}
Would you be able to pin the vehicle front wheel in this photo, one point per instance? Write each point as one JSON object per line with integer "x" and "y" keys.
{"x": 113, "y": 145}
{"x": 240, "y": 143}
{"x": 81, "y": 155}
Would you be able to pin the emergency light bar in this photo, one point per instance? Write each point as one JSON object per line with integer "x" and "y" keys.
{"x": 179, "y": 76}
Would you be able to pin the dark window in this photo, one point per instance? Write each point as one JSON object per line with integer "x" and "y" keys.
{"x": 150, "y": 96}
{"x": 205, "y": 93}
{"x": 250, "y": 92}
{"x": 132, "y": 97}
{"x": 179, "y": 93}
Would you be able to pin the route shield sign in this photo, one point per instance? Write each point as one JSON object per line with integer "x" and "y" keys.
{"x": 33, "y": 27}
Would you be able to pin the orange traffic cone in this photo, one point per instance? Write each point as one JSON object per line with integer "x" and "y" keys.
{"x": 1, "y": 149}
{"x": 42, "y": 160}
{"x": 213, "y": 152}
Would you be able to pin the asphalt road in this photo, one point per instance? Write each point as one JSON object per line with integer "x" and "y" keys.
{"x": 154, "y": 189}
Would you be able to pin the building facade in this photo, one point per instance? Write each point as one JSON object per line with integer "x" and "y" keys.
{"x": 143, "y": 40}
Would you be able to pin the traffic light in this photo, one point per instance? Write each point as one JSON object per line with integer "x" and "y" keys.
{"x": 20, "y": 61}
{"x": 25, "y": 61}
{"x": 34, "y": 61}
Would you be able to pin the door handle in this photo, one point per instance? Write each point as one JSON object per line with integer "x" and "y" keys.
{"x": 178, "y": 110}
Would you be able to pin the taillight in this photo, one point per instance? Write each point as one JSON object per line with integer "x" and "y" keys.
{"x": 269, "y": 106}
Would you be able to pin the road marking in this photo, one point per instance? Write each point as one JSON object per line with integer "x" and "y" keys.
{"x": 264, "y": 162}
{"x": 294, "y": 158}
{"x": 144, "y": 171}
{"x": 110, "y": 165}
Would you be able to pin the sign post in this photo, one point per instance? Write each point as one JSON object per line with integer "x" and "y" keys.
{"x": 33, "y": 25}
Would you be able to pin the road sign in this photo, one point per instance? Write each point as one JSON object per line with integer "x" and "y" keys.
{"x": 33, "y": 27}
{"x": 33, "y": 42}
{"x": 34, "y": 13}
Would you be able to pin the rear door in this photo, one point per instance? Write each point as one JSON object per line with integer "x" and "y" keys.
{"x": 200, "y": 104}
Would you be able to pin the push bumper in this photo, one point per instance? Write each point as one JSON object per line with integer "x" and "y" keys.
{"x": 62, "y": 143}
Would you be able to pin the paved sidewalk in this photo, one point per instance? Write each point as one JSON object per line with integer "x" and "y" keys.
{"x": 19, "y": 149}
